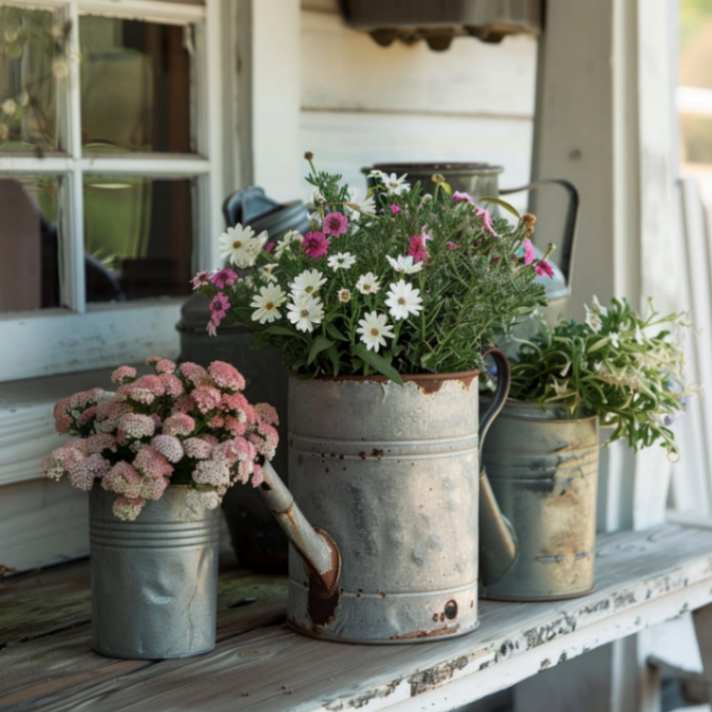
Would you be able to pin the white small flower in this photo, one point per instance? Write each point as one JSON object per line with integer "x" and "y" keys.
{"x": 309, "y": 282}
{"x": 615, "y": 339}
{"x": 358, "y": 205}
{"x": 318, "y": 197}
{"x": 341, "y": 260}
{"x": 315, "y": 220}
{"x": 344, "y": 296}
{"x": 267, "y": 303}
{"x": 374, "y": 330}
{"x": 377, "y": 175}
{"x": 368, "y": 283}
{"x": 241, "y": 246}
{"x": 639, "y": 336}
{"x": 403, "y": 300}
{"x": 404, "y": 264}
{"x": 9, "y": 107}
{"x": 593, "y": 319}
{"x": 396, "y": 185}
{"x": 597, "y": 306}
{"x": 291, "y": 237}
{"x": 267, "y": 272}
{"x": 305, "y": 312}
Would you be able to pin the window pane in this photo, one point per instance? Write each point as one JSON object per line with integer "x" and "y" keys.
{"x": 32, "y": 64}
{"x": 29, "y": 242}
{"x": 138, "y": 236}
{"x": 135, "y": 86}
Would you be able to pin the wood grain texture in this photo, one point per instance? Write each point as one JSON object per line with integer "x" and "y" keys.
{"x": 643, "y": 579}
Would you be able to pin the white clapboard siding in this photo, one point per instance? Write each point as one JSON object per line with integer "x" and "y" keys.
{"x": 361, "y": 103}
{"x": 347, "y": 142}
{"x": 345, "y": 70}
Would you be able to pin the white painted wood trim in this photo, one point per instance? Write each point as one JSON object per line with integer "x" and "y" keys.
{"x": 137, "y": 164}
{"x": 147, "y": 10}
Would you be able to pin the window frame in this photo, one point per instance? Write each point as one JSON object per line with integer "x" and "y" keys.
{"x": 88, "y": 336}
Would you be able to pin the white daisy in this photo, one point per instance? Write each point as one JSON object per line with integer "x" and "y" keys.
{"x": 374, "y": 330}
{"x": 291, "y": 237}
{"x": 344, "y": 295}
{"x": 598, "y": 306}
{"x": 267, "y": 303}
{"x": 341, "y": 260}
{"x": 403, "y": 300}
{"x": 593, "y": 319}
{"x": 357, "y": 205}
{"x": 615, "y": 339}
{"x": 305, "y": 312}
{"x": 308, "y": 282}
{"x": 404, "y": 264}
{"x": 368, "y": 283}
{"x": 378, "y": 175}
{"x": 395, "y": 185}
{"x": 241, "y": 246}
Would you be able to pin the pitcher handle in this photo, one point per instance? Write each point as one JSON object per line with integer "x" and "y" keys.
{"x": 498, "y": 546}
{"x": 504, "y": 382}
{"x": 567, "y": 245}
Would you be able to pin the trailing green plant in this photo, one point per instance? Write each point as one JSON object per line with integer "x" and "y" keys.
{"x": 403, "y": 282}
{"x": 625, "y": 368}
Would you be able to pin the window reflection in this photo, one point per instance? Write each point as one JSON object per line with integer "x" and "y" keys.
{"x": 135, "y": 86}
{"x": 29, "y": 242}
{"x": 138, "y": 235}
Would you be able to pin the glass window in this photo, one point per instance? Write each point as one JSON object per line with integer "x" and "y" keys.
{"x": 30, "y": 242}
{"x": 138, "y": 235}
{"x": 135, "y": 92}
{"x": 32, "y": 62}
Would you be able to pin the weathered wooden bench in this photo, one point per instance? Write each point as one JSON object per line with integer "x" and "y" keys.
{"x": 643, "y": 578}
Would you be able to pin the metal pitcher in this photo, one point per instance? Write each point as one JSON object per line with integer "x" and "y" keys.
{"x": 543, "y": 467}
{"x": 385, "y": 549}
{"x": 481, "y": 180}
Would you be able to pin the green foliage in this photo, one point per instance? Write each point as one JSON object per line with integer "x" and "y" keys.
{"x": 622, "y": 367}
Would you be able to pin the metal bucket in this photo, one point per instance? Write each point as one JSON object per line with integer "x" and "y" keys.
{"x": 543, "y": 469}
{"x": 391, "y": 473}
{"x": 154, "y": 580}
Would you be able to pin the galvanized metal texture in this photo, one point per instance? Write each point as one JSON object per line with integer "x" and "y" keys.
{"x": 390, "y": 472}
{"x": 154, "y": 580}
{"x": 544, "y": 472}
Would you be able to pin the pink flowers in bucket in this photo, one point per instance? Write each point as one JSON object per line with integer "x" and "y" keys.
{"x": 181, "y": 424}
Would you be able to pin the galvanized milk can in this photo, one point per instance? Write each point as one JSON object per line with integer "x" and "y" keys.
{"x": 387, "y": 477}
{"x": 154, "y": 580}
{"x": 543, "y": 468}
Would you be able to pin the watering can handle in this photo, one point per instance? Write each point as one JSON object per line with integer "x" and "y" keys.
{"x": 567, "y": 246}
{"x": 498, "y": 544}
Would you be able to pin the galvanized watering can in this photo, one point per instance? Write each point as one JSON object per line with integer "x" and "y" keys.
{"x": 481, "y": 180}
{"x": 385, "y": 549}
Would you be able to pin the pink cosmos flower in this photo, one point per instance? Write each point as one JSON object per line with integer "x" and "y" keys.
{"x": 206, "y": 398}
{"x": 269, "y": 246}
{"x": 486, "y": 217}
{"x": 219, "y": 307}
{"x": 544, "y": 269}
{"x": 453, "y": 245}
{"x": 179, "y": 424}
{"x": 123, "y": 374}
{"x": 335, "y": 224}
{"x": 224, "y": 278}
{"x": 200, "y": 280}
{"x": 395, "y": 209}
{"x": 226, "y": 376}
{"x": 460, "y": 197}
{"x": 315, "y": 244}
{"x": 529, "y": 253}
{"x": 417, "y": 248}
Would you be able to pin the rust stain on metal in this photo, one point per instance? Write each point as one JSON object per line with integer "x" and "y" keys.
{"x": 433, "y": 677}
{"x": 322, "y": 604}
{"x": 427, "y": 383}
{"x": 435, "y": 633}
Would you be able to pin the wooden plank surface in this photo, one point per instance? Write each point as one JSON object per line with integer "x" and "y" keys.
{"x": 260, "y": 665}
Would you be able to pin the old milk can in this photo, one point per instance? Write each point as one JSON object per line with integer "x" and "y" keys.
{"x": 384, "y": 536}
{"x": 543, "y": 469}
{"x": 481, "y": 180}
{"x": 154, "y": 581}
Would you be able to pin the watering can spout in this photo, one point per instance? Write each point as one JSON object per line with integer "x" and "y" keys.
{"x": 498, "y": 542}
{"x": 316, "y": 547}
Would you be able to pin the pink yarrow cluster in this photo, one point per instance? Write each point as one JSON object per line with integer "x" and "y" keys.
{"x": 182, "y": 424}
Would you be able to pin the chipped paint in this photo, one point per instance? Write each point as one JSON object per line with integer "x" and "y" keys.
{"x": 435, "y": 676}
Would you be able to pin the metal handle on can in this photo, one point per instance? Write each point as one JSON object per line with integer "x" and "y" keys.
{"x": 498, "y": 545}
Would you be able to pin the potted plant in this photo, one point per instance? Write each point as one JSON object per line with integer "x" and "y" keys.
{"x": 157, "y": 457}
{"x": 383, "y": 312}
{"x": 618, "y": 370}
